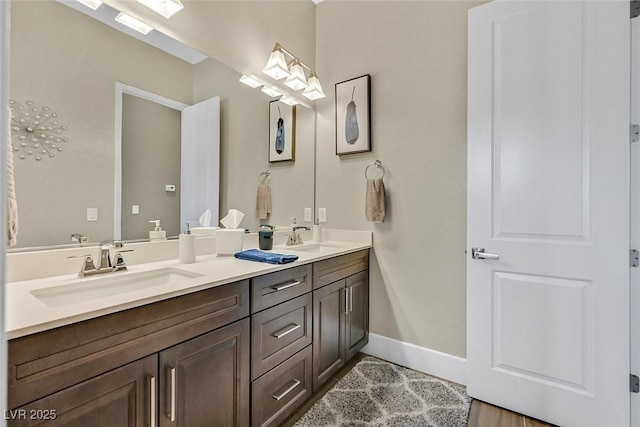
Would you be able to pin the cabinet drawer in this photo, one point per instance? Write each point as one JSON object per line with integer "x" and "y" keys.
{"x": 279, "y": 332}
{"x": 330, "y": 270}
{"x": 274, "y": 288}
{"x": 281, "y": 391}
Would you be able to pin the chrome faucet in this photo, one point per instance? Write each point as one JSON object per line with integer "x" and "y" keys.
{"x": 104, "y": 264}
{"x": 294, "y": 238}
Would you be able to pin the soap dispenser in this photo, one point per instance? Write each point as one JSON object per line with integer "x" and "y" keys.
{"x": 157, "y": 233}
{"x": 187, "y": 247}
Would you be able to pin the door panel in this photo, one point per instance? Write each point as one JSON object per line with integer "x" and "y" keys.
{"x": 206, "y": 381}
{"x": 120, "y": 398}
{"x": 548, "y": 174}
{"x": 328, "y": 331}
{"x": 357, "y": 330}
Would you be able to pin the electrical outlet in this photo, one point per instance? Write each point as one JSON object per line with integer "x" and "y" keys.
{"x": 307, "y": 214}
{"x": 92, "y": 214}
{"x": 135, "y": 210}
{"x": 322, "y": 215}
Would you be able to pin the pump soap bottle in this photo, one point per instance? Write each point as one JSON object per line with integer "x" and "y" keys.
{"x": 187, "y": 247}
{"x": 157, "y": 233}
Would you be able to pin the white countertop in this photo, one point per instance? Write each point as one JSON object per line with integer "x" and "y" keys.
{"x": 27, "y": 314}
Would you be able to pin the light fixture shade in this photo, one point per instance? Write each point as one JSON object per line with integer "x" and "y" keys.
{"x": 276, "y": 67}
{"x": 133, "y": 23}
{"x": 288, "y": 101}
{"x": 272, "y": 92}
{"x": 296, "y": 79}
{"x": 166, "y": 8}
{"x": 93, "y": 4}
{"x": 314, "y": 90}
{"x": 250, "y": 81}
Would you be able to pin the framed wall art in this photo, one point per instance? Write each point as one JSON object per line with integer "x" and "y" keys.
{"x": 282, "y": 132}
{"x": 353, "y": 115}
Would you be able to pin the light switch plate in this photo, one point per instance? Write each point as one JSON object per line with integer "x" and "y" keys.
{"x": 135, "y": 210}
{"x": 170, "y": 188}
{"x": 307, "y": 214}
{"x": 92, "y": 214}
{"x": 322, "y": 215}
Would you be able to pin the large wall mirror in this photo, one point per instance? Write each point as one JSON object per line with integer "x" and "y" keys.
{"x": 70, "y": 63}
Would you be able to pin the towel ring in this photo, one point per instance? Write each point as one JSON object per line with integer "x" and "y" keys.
{"x": 377, "y": 164}
{"x": 267, "y": 177}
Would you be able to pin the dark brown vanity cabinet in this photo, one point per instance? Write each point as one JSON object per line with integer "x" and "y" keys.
{"x": 182, "y": 361}
{"x": 340, "y": 315}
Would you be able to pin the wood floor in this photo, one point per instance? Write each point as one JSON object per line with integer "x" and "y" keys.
{"x": 481, "y": 414}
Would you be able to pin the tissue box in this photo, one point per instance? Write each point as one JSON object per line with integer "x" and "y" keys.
{"x": 229, "y": 240}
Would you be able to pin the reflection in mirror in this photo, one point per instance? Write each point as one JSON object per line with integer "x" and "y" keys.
{"x": 150, "y": 149}
{"x": 73, "y": 69}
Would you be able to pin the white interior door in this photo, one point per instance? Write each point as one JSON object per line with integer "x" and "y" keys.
{"x": 548, "y": 191}
{"x": 200, "y": 180}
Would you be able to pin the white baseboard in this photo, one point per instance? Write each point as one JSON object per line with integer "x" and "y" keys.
{"x": 438, "y": 364}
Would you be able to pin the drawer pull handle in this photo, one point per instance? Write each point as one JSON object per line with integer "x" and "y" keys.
{"x": 289, "y": 389}
{"x": 152, "y": 401}
{"x": 172, "y": 413}
{"x": 287, "y": 331}
{"x": 286, "y": 285}
{"x": 346, "y": 300}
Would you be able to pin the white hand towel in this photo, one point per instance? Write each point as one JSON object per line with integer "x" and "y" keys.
{"x": 375, "y": 203}
{"x": 12, "y": 203}
{"x": 263, "y": 201}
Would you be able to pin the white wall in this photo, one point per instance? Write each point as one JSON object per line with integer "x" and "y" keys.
{"x": 4, "y": 120}
{"x": 416, "y": 53}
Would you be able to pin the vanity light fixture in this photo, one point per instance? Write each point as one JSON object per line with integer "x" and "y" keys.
{"x": 133, "y": 23}
{"x": 93, "y": 4}
{"x": 289, "y": 101}
{"x": 166, "y": 8}
{"x": 272, "y": 92}
{"x": 277, "y": 68}
{"x": 314, "y": 89}
{"x": 296, "y": 80}
{"x": 250, "y": 81}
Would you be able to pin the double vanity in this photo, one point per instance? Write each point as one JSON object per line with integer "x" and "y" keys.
{"x": 222, "y": 342}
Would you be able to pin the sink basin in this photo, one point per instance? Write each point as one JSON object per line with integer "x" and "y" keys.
{"x": 109, "y": 285}
{"x": 314, "y": 247}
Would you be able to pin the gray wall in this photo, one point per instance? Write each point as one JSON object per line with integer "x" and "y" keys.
{"x": 150, "y": 160}
{"x": 416, "y": 53}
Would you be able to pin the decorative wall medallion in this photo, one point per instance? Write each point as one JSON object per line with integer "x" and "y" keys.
{"x": 35, "y": 131}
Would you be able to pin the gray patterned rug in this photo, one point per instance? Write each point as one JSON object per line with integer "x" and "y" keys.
{"x": 378, "y": 393}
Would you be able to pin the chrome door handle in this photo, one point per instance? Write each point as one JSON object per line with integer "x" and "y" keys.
{"x": 479, "y": 253}
{"x": 152, "y": 401}
{"x": 172, "y": 403}
{"x": 295, "y": 384}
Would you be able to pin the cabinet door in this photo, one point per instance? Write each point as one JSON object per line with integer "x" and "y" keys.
{"x": 205, "y": 381}
{"x": 357, "y": 329}
{"x": 329, "y": 307}
{"x": 124, "y": 397}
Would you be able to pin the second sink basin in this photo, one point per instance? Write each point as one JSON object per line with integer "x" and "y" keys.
{"x": 314, "y": 247}
{"x": 83, "y": 290}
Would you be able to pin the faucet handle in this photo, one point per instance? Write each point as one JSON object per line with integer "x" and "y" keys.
{"x": 87, "y": 266}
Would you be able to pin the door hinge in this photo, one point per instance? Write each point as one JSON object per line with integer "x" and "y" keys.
{"x": 634, "y": 133}
{"x": 635, "y": 9}
{"x": 634, "y": 383}
{"x": 634, "y": 258}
